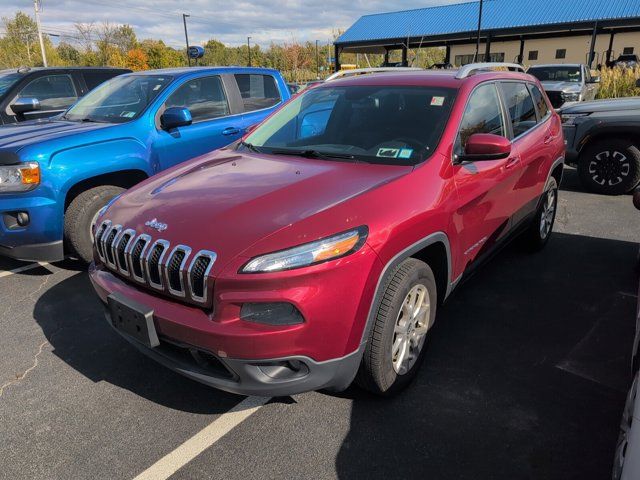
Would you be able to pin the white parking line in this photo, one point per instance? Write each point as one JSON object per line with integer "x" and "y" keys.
{"x": 205, "y": 438}
{"x": 24, "y": 268}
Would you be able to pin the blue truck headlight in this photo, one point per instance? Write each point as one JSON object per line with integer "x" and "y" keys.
{"x": 19, "y": 178}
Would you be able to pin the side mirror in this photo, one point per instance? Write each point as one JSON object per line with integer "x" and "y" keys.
{"x": 595, "y": 79}
{"x": 636, "y": 198}
{"x": 25, "y": 105}
{"x": 174, "y": 117}
{"x": 485, "y": 146}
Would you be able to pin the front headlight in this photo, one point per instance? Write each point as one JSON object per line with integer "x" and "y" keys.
{"x": 19, "y": 178}
{"x": 308, "y": 254}
{"x": 570, "y": 118}
{"x": 571, "y": 96}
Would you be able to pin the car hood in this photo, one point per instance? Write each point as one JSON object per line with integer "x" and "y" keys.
{"x": 226, "y": 202}
{"x": 561, "y": 86}
{"x": 13, "y": 138}
{"x": 613, "y": 104}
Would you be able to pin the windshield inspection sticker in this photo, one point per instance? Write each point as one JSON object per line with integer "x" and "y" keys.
{"x": 437, "y": 101}
{"x": 405, "y": 153}
{"x": 128, "y": 114}
{"x": 388, "y": 152}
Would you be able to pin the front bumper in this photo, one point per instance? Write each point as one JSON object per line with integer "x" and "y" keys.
{"x": 41, "y": 239}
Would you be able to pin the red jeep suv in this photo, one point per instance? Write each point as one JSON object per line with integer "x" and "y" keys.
{"x": 316, "y": 250}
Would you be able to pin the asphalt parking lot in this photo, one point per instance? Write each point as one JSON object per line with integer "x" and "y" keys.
{"x": 525, "y": 378}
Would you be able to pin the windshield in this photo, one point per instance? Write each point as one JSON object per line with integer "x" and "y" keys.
{"x": 394, "y": 125}
{"x": 7, "y": 80}
{"x": 118, "y": 100}
{"x": 556, "y": 74}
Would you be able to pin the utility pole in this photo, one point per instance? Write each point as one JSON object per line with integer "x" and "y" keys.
{"x": 249, "y": 49}
{"x": 317, "y": 62}
{"x": 37, "y": 6}
{"x": 186, "y": 36}
{"x": 479, "y": 28}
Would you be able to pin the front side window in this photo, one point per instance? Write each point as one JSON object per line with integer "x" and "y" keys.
{"x": 258, "y": 91}
{"x": 393, "y": 125}
{"x": 54, "y": 92}
{"x": 520, "y": 106}
{"x": 541, "y": 103}
{"x": 557, "y": 74}
{"x": 481, "y": 115}
{"x": 204, "y": 97}
{"x": 118, "y": 100}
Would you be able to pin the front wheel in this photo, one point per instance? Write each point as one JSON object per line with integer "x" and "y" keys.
{"x": 80, "y": 216}
{"x": 610, "y": 167}
{"x": 396, "y": 344}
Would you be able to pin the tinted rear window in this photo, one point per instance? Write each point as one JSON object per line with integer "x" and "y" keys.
{"x": 95, "y": 78}
{"x": 258, "y": 91}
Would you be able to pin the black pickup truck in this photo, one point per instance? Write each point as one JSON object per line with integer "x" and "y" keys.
{"x": 603, "y": 140}
{"x": 32, "y": 93}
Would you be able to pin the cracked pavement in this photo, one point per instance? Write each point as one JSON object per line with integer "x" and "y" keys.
{"x": 525, "y": 377}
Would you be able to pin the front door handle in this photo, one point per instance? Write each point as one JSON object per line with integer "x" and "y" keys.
{"x": 231, "y": 131}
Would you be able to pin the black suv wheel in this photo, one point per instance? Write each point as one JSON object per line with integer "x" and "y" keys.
{"x": 610, "y": 167}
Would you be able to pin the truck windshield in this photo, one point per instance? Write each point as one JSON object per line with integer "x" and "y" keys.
{"x": 118, "y": 100}
{"x": 394, "y": 125}
{"x": 556, "y": 74}
{"x": 7, "y": 80}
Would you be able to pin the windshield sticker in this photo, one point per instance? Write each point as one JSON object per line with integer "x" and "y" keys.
{"x": 128, "y": 114}
{"x": 405, "y": 153}
{"x": 388, "y": 152}
{"x": 437, "y": 101}
{"x": 157, "y": 87}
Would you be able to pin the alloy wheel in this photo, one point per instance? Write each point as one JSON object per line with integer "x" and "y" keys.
{"x": 609, "y": 168}
{"x": 410, "y": 332}
{"x": 548, "y": 213}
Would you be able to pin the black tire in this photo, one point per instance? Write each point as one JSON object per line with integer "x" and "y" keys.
{"x": 377, "y": 373}
{"x": 79, "y": 215}
{"x": 610, "y": 167}
{"x": 536, "y": 237}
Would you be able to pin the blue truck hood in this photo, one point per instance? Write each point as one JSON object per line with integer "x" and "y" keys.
{"x": 14, "y": 138}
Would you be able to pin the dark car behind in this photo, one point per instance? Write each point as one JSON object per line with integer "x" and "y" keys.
{"x": 32, "y": 93}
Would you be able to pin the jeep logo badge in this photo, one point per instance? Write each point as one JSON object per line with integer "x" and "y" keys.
{"x": 159, "y": 226}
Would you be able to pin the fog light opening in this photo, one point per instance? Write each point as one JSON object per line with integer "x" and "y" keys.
{"x": 277, "y": 313}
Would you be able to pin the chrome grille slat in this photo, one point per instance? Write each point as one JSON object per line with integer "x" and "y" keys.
{"x": 155, "y": 263}
{"x": 199, "y": 283}
{"x": 179, "y": 254}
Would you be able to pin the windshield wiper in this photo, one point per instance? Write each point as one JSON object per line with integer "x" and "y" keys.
{"x": 251, "y": 147}
{"x": 315, "y": 154}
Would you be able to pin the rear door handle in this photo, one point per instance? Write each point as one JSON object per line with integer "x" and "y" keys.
{"x": 230, "y": 131}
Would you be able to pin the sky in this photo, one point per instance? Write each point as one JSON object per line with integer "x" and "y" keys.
{"x": 230, "y": 22}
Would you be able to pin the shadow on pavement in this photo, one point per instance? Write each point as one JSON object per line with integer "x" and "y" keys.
{"x": 494, "y": 398}
{"x": 72, "y": 319}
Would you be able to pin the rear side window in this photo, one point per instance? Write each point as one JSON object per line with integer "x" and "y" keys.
{"x": 257, "y": 91}
{"x": 54, "y": 92}
{"x": 204, "y": 97}
{"x": 520, "y": 106}
{"x": 541, "y": 103}
{"x": 93, "y": 79}
{"x": 482, "y": 115}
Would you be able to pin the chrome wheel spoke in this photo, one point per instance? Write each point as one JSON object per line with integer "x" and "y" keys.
{"x": 410, "y": 329}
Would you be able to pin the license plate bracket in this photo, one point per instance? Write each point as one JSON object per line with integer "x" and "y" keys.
{"x": 133, "y": 319}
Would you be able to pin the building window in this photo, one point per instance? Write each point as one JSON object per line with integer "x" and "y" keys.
{"x": 533, "y": 54}
{"x": 627, "y": 51}
{"x": 466, "y": 59}
{"x": 561, "y": 53}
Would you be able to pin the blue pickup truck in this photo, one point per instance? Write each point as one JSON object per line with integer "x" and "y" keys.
{"x": 56, "y": 174}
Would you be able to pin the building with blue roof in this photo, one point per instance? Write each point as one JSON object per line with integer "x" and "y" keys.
{"x": 524, "y": 31}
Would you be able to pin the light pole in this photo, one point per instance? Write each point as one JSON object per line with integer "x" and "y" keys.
{"x": 37, "y": 6}
{"x": 249, "y": 49}
{"x": 479, "y": 28}
{"x": 186, "y": 36}
{"x": 317, "y": 62}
